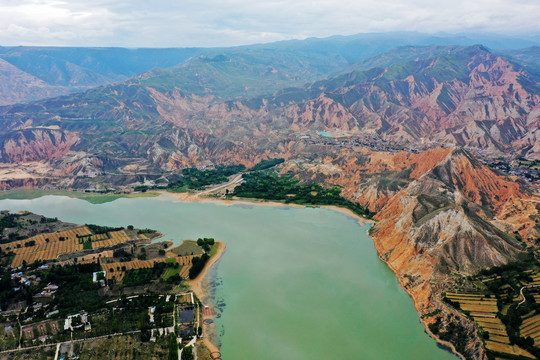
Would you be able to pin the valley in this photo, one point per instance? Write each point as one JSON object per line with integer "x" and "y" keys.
{"x": 438, "y": 145}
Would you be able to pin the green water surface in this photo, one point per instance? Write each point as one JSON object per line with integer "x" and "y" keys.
{"x": 293, "y": 283}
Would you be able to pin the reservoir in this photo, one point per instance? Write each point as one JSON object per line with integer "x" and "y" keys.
{"x": 294, "y": 283}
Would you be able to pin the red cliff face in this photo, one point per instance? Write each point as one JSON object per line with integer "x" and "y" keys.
{"x": 36, "y": 144}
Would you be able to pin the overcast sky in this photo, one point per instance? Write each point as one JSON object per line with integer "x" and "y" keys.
{"x": 179, "y": 23}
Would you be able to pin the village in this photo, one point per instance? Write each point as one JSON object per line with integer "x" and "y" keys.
{"x": 69, "y": 298}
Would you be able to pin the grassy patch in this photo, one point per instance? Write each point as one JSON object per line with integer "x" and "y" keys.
{"x": 170, "y": 272}
{"x": 214, "y": 249}
{"x": 188, "y": 247}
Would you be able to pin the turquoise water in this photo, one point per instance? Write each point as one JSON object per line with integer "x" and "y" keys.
{"x": 293, "y": 283}
{"x": 323, "y": 133}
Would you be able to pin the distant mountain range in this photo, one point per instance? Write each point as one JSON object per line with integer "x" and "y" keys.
{"x": 414, "y": 96}
{"x": 33, "y": 73}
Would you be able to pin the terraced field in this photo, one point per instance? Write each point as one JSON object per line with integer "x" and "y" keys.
{"x": 112, "y": 238}
{"x": 118, "y": 269}
{"x": 46, "y": 238}
{"x": 531, "y": 327}
{"x": 47, "y": 246}
{"x": 483, "y": 310}
{"x": 50, "y": 245}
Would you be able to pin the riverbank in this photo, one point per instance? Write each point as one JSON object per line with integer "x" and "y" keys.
{"x": 203, "y": 197}
{"x": 200, "y": 287}
{"x": 200, "y": 197}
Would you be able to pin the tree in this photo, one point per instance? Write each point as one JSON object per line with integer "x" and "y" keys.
{"x": 187, "y": 353}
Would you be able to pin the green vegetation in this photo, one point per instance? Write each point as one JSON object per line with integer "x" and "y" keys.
{"x": 173, "y": 347}
{"x": 260, "y": 185}
{"x": 196, "y": 179}
{"x": 98, "y": 229}
{"x": 188, "y": 247}
{"x": 267, "y": 164}
{"x": 138, "y": 277}
{"x": 513, "y": 319}
{"x": 187, "y": 353}
{"x": 74, "y": 279}
{"x": 198, "y": 265}
{"x": 8, "y": 221}
{"x": 205, "y": 243}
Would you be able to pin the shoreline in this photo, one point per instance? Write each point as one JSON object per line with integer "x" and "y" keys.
{"x": 197, "y": 286}
{"x": 195, "y": 197}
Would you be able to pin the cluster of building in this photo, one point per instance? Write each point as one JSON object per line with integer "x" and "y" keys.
{"x": 83, "y": 323}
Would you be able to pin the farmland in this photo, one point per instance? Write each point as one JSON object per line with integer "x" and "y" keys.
{"x": 46, "y": 246}
{"x": 188, "y": 247}
{"x": 120, "y": 308}
{"x": 530, "y": 327}
{"x": 118, "y": 270}
{"x": 483, "y": 310}
{"x": 504, "y": 304}
{"x": 50, "y": 246}
{"x": 122, "y": 347}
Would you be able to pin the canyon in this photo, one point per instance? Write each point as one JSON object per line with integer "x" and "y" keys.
{"x": 433, "y": 115}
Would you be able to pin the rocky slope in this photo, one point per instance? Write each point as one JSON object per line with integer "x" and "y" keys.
{"x": 439, "y": 211}
{"x": 438, "y": 214}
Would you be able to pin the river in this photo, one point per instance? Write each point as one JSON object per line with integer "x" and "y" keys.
{"x": 294, "y": 283}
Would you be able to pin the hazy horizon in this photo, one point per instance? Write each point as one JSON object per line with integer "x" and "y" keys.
{"x": 209, "y": 23}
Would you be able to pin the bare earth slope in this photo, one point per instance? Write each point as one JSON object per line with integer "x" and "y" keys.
{"x": 440, "y": 211}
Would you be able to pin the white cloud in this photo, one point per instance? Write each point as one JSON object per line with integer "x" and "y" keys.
{"x": 154, "y": 23}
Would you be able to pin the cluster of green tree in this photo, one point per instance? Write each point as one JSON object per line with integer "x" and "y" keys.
{"x": 74, "y": 279}
{"x": 193, "y": 178}
{"x": 267, "y": 164}
{"x": 516, "y": 266}
{"x": 505, "y": 280}
{"x": 146, "y": 231}
{"x": 205, "y": 243}
{"x": 452, "y": 303}
{"x": 198, "y": 265}
{"x": 267, "y": 186}
{"x": 187, "y": 353}
{"x": 122, "y": 254}
{"x": 173, "y": 347}
{"x": 7, "y": 293}
{"x": 513, "y": 319}
{"x": 98, "y": 229}
{"x": 45, "y": 220}
{"x": 8, "y": 221}
{"x": 139, "y": 277}
{"x": 454, "y": 333}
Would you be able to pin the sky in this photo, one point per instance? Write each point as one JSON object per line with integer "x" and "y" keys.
{"x": 184, "y": 23}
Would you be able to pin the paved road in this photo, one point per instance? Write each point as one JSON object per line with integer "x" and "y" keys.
{"x": 222, "y": 186}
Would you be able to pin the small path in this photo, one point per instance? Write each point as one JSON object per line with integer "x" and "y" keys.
{"x": 20, "y": 330}
{"x": 57, "y": 352}
{"x": 521, "y": 292}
